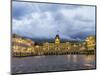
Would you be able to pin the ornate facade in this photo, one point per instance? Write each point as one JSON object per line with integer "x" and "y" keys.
{"x": 90, "y": 41}
{"x": 23, "y": 47}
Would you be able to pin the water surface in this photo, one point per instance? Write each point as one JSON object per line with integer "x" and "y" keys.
{"x": 52, "y": 63}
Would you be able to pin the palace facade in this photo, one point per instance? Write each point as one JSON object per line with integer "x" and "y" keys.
{"x": 24, "y": 47}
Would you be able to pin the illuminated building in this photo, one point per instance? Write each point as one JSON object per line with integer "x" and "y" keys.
{"x": 90, "y": 43}
{"x": 24, "y": 47}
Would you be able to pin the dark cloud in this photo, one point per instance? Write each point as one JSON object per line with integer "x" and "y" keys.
{"x": 40, "y": 20}
{"x": 83, "y": 19}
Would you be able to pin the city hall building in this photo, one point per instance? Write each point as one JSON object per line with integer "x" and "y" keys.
{"x": 24, "y": 47}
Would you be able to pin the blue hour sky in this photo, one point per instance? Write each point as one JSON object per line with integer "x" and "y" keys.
{"x": 42, "y": 20}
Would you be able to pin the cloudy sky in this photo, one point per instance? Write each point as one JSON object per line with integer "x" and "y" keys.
{"x": 41, "y": 20}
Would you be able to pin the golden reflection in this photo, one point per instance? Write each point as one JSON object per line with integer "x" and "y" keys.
{"x": 74, "y": 58}
{"x": 89, "y": 58}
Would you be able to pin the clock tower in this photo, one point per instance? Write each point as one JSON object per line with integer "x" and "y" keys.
{"x": 57, "y": 39}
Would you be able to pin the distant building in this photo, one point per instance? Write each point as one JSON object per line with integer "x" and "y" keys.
{"x": 90, "y": 42}
{"x": 22, "y": 46}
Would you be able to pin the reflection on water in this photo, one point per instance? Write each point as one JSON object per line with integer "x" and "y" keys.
{"x": 89, "y": 58}
{"x": 74, "y": 58}
{"x": 52, "y": 63}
